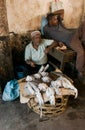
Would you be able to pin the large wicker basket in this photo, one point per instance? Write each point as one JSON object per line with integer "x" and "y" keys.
{"x": 47, "y": 109}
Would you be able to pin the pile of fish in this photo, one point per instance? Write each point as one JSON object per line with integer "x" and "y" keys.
{"x": 34, "y": 88}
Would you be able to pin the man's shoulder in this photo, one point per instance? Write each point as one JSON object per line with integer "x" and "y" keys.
{"x": 29, "y": 45}
{"x": 46, "y": 28}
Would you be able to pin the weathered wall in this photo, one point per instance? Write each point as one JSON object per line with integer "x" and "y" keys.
{"x": 24, "y": 15}
{"x": 73, "y": 12}
{"x": 6, "y": 68}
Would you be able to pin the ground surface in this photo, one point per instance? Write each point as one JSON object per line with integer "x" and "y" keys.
{"x": 17, "y": 116}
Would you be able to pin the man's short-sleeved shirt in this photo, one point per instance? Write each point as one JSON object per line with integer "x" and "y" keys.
{"x": 38, "y": 56}
{"x": 58, "y": 33}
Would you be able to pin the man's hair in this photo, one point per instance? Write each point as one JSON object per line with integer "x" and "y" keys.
{"x": 49, "y": 16}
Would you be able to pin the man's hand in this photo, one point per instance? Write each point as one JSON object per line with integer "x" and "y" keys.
{"x": 31, "y": 63}
{"x": 46, "y": 50}
{"x": 61, "y": 44}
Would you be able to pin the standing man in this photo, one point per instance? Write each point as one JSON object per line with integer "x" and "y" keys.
{"x": 73, "y": 39}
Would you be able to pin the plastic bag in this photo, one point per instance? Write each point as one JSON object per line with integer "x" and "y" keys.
{"x": 56, "y": 5}
{"x": 43, "y": 23}
{"x": 11, "y": 91}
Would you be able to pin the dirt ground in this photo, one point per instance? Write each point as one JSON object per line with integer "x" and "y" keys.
{"x": 15, "y": 116}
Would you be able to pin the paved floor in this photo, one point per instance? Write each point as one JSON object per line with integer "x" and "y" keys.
{"x": 16, "y": 116}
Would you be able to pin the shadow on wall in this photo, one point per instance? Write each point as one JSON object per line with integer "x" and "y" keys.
{"x": 18, "y": 43}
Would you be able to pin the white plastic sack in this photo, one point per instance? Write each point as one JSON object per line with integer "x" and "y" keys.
{"x": 56, "y": 5}
{"x": 11, "y": 91}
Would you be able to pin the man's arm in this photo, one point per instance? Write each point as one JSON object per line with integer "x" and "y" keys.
{"x": 54, "y": 44}
{"x": 28, "y": 56}
{"x": 59, "y": 12}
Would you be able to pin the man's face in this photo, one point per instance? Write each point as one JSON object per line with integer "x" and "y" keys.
{"x": 54, "y": 21}
{"x": 36, "y": 39}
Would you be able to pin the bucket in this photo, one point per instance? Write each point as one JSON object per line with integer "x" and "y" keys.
{"x": 21, "y": 72}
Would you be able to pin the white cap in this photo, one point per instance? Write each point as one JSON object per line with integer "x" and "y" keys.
{"x": 35, "y": 33}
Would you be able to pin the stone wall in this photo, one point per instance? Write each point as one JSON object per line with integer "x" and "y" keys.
{"x": 6, "y": 66}
{"x": 24, "y": 15}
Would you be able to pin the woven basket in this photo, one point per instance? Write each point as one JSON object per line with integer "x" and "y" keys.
{"x": 47, "y": 109}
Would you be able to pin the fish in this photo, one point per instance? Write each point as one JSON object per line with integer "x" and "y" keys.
{"x": 63, "y": 82}
{"x": 50, "y": 94}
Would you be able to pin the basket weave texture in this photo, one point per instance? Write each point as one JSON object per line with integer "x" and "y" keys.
{"x": 47, "y": 109}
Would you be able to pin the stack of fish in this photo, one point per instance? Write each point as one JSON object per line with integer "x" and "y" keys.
{"x": 34, "y": 88}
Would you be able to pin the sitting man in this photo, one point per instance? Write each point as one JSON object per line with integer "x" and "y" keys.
{"x": 36, "y": 52}
{"x": 55, "y": 30}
